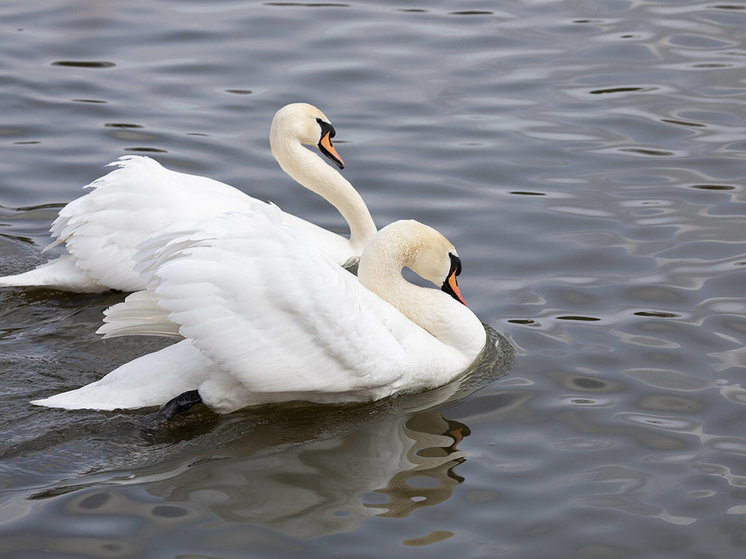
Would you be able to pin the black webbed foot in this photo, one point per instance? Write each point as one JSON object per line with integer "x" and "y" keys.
{"x": 181, "y": 403}
{"x": 166, "y": 423}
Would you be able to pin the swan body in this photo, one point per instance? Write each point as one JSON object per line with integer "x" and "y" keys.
{"x": 102, "y": 229}
{"x": 264, "y": 316}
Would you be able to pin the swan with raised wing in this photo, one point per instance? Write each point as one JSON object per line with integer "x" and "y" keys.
{"x": 102, "y": 229}
{"x": 265, "y": 316}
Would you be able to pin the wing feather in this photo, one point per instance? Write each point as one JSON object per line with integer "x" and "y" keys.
{"x": 138, "y": 315}
{"x": 138, "y": 198}
{"x": 271, "y": 310}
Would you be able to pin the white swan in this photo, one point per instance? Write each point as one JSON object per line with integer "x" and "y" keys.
{"x": 266, "y": 317}
{"x": 102, "y": 229}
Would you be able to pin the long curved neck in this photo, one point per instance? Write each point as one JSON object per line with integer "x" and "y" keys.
{"x": 433, "y": 310}
{"x": 312, "y": 172}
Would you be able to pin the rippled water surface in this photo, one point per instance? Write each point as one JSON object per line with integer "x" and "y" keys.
{"x": 588, "y": 160}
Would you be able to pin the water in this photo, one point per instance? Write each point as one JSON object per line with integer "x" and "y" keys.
{"x": 586, "y": 158}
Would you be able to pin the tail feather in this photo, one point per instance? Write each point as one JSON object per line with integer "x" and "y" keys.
{"x": 61, "y": 274}
{"x": 150, "y": 380}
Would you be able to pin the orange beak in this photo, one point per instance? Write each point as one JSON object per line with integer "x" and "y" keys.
{"x": 455, "y": 291}
{"x": 327, "y": 148}
{"x": 450, "y": 285}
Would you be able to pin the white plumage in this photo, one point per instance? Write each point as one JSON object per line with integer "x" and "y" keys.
{"x": 266, "y": 316}
{"x": 101, "y": 230}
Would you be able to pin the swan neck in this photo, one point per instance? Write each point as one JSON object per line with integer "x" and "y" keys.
{"x": 309, "y": 170}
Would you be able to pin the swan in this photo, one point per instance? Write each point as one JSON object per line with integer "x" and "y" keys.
{"x": 264, "y": 316}
{"x": 102, "y": 229}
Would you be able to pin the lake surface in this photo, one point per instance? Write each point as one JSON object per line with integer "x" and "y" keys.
{"x": 587, "y": 159}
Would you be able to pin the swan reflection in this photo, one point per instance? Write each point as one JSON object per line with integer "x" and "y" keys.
{"x": 388, "y": 467}
{"x": 309, "y": 471}
{"x": 304, "y": 470}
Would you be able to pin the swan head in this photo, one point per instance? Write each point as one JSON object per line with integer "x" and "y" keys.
{"x": 436, "y": 260}
{"x": 304, "y": 124}
{"x": 420, "y": 248}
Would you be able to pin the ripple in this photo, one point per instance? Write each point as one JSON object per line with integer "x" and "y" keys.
{"x": 84, "y": 63}
{"x": 121, "y": 125}
{"x": 471, "y": 13}
{"x": 94, "y": 501}
{"x": 684, "y": 123}
{"x": 583, "y": 444}
{"x": 699, "y": 42}
{"x": 732, "y": 445}
{"x": 169, "y": 511}
{"x": 657, "y": 314}
{"x": 669, "y": 403}
{"x": 523, "y": 321}
{"x": 587, "y": 402}
{"x": 736, "y": 393}
{"x": 146, "y": 150}
{"x": 646, "y": 340}
{"x": 527, "y": 193}
{"x": 723, "y": 472}
{"x": 713, "y": 186}
{"x": 648, "y": 152}
{"x": 710, "y": 66}
{"x": 308, "y": 4}
{"x": 661, "y": 422}
{"x": 579, "y": 318}
{"x": 629, "y": 494}
{"x": 588, "y": 384}
{"x": 624, "y": 89}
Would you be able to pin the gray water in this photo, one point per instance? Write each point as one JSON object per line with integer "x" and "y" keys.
{"x": 587, "y": 159}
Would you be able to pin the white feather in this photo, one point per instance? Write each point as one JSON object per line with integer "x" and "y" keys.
{"x": 138, "y": 315}
{"x": 272, "y": 318}
{"x": 139, "y": 198}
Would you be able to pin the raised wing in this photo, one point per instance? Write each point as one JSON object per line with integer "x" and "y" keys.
{"x": 140, "y": 197}
{"x": 274, "y": 312}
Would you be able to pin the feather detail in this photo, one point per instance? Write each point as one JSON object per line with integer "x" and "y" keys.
{"x": 138, "y": 315}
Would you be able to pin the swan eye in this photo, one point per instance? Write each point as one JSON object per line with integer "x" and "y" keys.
{"x": 450, "y": 285}
{"x": 326, "y": 127}
{"x": 325, "y": 143}
{"x": 455, "y": 264}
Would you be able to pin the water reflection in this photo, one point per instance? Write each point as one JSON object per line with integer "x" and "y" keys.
{"x": 389, "y": 468}
{"x": 271, "y": 477}
{"x": 305, "y": 470}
